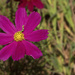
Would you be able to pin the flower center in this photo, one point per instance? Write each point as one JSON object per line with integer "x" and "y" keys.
{"x": 18, "y": 36}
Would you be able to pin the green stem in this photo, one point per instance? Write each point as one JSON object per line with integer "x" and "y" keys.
{"x": 11, "y": 9}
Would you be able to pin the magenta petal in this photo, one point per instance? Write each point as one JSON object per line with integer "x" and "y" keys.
{"x": 19, "y": 51}
{"x": 21, "y": 17}
{"x": 38, "y": 3}
{"x": 33, "y": 20}
{"x": 37, "y": 35}
{"x": 32, "y": 50}
{"x": 7, "y": 51}
{"x": 5, "y": 38}
{"x": 30, "y": 6}
{"x": 6, "y": 25}
{"x": 22, "y": 3}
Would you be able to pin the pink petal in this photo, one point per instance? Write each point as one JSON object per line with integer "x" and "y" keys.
{"x": 32, "y": 50}
{"x": 21, "y": 17}
{"x": 37, "y": 35}
{"x": 7, "y": 51}
{"x": 22, "y": 3}
{"x": 33, "y": 20}
{"x": 19, "y": 51}
{"x": 38, "y": 3}
{"x": 30, "y": 6}
{"x": 6, "y": 25}
{"x": 5, "y": 38}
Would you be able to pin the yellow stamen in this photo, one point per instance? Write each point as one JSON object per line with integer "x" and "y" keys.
{"x": 19, "y": 36}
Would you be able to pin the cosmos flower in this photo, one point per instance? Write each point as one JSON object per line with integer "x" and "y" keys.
{"x": 18, "y": 39}
{"x": 31, "y": 4}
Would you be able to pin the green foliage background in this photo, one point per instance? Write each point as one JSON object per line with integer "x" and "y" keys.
{"x": 58, "y": 16}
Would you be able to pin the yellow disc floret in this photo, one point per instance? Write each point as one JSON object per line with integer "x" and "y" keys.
{"x": 18, "y": 36}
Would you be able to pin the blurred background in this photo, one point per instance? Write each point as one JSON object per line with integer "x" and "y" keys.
{"x": 58, "y": 16}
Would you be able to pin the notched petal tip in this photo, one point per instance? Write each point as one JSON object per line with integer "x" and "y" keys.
{"x": 33, "y": 21}
{"x": 21, "y": 18}
{"x": 37, "y": 57}
{"x": 19, "y": 52}
{"x": 37, "y": 35}
{"x": 32, "y": 50}
{"x": 7, "y": 51}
